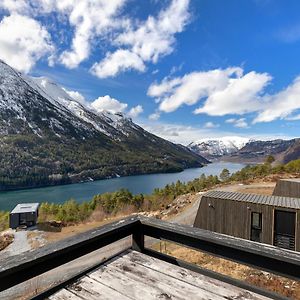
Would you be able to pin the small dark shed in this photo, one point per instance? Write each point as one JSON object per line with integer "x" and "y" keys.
{"x": 25, "y": 214}
{"x": 287, "y": 188}
{"x": 267, "y": 219}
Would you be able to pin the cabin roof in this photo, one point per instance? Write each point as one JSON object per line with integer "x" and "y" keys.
{"x": 25, "y": 208}
{"x": 291, "y": 179}
{"x": 278, "y": 201}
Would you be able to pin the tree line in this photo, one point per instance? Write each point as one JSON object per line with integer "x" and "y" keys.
{"x": 124, "y": 202}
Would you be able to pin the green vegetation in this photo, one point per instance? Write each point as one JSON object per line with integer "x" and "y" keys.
{"x": 270, "y": 159}
{"x": 29, "y": 161}
{"x": 4, "y": 220}
{"x": 225, "y": 175}
{"x": 124, "y": 202}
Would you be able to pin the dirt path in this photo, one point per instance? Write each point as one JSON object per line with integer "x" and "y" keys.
{"x": 19, "y": 245}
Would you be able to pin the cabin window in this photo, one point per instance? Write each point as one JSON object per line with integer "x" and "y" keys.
{"x": 256, "y": 227}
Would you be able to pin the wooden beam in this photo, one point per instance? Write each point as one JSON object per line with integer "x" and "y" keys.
{"x": 262, "y": 256}
{"x": 17, "y": 269}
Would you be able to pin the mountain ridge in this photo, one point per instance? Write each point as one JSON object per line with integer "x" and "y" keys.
{"x": 244, "y": 150}
{"x": 47, "y": 137}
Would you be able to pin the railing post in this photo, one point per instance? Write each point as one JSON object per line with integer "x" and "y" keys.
{"x": 138, "y": 238}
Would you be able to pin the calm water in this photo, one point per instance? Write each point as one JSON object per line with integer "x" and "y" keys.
{"x": 85, "y": 191}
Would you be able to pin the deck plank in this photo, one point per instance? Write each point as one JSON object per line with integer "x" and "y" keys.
{"x": 140, "y": 282}
{"x": 88, "y": 288}
{"x": 64, "y": 295}
{"x": 204, "y": 282}
{"x": 133, "y": 275}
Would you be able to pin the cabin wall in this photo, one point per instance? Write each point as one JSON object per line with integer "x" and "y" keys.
{"x": 13, "y": 221}
{"x": 286, "y": 188}
{"x": 233, "y": 218}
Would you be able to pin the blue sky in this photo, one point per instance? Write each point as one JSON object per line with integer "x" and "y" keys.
{"x": 184, "y": 70}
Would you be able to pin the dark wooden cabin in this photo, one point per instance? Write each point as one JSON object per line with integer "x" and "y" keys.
{"x": 272, "y": 220}
{"x": 287, "y": 188}
{"x": 25, "y": 214}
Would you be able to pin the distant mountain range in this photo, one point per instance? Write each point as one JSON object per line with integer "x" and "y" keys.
{"x": 240, "y": 149}
{"x": 47, "y": 137}
{"x": 215, "y": 148}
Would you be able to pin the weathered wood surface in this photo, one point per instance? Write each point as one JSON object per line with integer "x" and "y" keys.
{"x": 17, "y": 269}
{"x": 263, "y": 256}
{"x": 137, "y": 276}
{"x": 25, "y": 266}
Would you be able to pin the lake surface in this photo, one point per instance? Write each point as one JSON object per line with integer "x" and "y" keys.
{"x": 85, "y": 191}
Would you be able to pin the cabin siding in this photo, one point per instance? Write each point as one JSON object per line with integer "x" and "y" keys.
{"x": 287, "y": 188}
{"x": 233, "y": 217}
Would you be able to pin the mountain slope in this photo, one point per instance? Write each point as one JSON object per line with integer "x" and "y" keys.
{"x": 291, "y": 153}
{"x": 215, "y": 148}
{"x": 46, "y": 137}
{"x": 257, "y": 151}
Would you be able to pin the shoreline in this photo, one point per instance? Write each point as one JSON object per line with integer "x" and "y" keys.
{"x": 95, "y": 180}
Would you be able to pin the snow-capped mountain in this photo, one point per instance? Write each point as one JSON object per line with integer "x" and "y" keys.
{"x": 47, "y": 137}
{"x": 215, "y": 148}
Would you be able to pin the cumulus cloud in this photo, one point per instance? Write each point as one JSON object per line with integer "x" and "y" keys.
{"x": 281, "y": 105}
{"x": 90, "y": 19}
{"x": 119, "y": 61}
{"x": 23, "y": 41}
{"x": 108, "y": 103}
{"x": 225, "y": 91}
{"x": 145, "y": 41}
{"x": 105, "y": 103}
{"x": 76, "y": 96}
{"x": 211, "y": 125}
{"x": 228, "y": 91}
{"x": 93, "y": 21}
{"x": 240, "y": 122}
{"x": 135, "y": 111}
{"x": 154, "y": 117}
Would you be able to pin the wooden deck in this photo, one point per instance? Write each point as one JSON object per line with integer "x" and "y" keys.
{"x": 133, "y": 275}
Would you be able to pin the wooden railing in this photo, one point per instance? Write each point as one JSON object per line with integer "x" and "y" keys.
{"x": 18, "y": 269}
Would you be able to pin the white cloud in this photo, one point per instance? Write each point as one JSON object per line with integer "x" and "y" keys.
{"x": 135, "y": 111}
{"x": 119, "y": 61}
{"x": 107, "y": 103}
{"x": 76, "y": 96}
{"x": 211, "y": 125}
{"x": 182, "y": 134}
{"x": 154, "y": 117}
{"x": 15, "y": 6}
{"x": 282, "y": 104}
{"x": 90, "y": 19}
{"x": 145, "y": 41}
{"x": 240, "y": 123}
{"x": 90, "y": 24}
{"x": 23, "y": 41}
{"x": 226, "y": 91}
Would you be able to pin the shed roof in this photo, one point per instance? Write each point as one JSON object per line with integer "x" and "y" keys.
{"x": 25, "y": 207}
{"x": 286, "y": 202}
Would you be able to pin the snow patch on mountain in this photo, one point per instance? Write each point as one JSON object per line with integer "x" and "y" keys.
{"x": 213, "y": 148}
{"x": 104, "y": 122}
